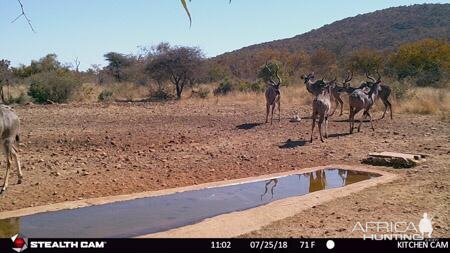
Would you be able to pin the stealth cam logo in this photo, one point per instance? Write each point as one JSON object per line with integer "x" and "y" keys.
{"x": 20, "y": 243}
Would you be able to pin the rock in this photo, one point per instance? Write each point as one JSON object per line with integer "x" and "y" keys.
{"x": 392, "y": 159}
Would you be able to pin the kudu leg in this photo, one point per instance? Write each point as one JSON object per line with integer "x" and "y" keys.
{"x": 8, "y": 166}
{"x": 15, "y": 156}
{"x": 387, "y": 105}
{"x": 267, "y": 112}
{"x": 341, "y": 103}
{"x": 313, "y": 125}
{"x": 271, "y": 117}
{"x": 351, "y": 119}
{"x": 279, "y": 110}
{"x": 371, "y": 123}
{"x": 364, "y": 116}
{"x": 320, "y": 128}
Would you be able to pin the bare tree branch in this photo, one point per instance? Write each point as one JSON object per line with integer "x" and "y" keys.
{"x": 23, "y": 14}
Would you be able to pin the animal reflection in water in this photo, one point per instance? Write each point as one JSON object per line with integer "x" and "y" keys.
{"x": 272, "y": 187}
{"x": 9, "y": 227}
{"x": 317, "y": 181}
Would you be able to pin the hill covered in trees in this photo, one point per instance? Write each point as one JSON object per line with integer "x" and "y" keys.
{"x": 383, "y": 30}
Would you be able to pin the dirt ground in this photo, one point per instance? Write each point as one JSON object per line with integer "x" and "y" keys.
{"x": 72, "y": 152}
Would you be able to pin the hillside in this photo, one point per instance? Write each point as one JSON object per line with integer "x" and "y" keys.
{"x": 380, "y": 30}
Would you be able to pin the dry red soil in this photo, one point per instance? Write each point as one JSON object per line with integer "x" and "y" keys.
{"x": 72, "y": 152}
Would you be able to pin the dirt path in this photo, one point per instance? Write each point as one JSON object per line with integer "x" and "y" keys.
{"x": 74, "y": 152}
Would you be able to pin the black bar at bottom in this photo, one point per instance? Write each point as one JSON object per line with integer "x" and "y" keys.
{"x": 225, "y": 245}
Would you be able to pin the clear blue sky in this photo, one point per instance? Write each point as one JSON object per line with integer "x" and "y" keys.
{"x": 87, "y": 29}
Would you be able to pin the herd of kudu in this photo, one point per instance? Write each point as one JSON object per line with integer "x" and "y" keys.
{"x": 360, "y": 99}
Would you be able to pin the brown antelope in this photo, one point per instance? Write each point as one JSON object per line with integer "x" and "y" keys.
{"x": 360, "y": 100}
{"x": 321, "y": 107}
{"x": 9, "y": 129}
{"x": 384, "y": 92}
{"x": 273, "y": 96}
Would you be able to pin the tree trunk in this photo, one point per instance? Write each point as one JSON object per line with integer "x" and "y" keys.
{"x": 179, "y": 89}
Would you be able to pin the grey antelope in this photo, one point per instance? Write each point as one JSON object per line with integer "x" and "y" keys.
{"x": 336, "y": 91}
{"x": 314, "y": 88}
{"x": 384, "y": 92}
{"x": 9, "y": 129}
{"x": 273, "y": 96}
{"x": 321, "y": 108}
{"x": 360, "y": 100}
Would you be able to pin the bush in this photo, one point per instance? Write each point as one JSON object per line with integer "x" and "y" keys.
{"x": 201, "y": 92}
{"x": 105, "y": 95}
{"x": 161, "y": 94}
{"x": 402, "y": 89}
{"x": 22, "y": 99}
{"x": 53, "y": 86}
{"x": 224, "y": 88}
{"x": 251, "y": 87}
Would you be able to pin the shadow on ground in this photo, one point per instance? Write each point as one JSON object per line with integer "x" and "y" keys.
{"x": 292, "y": 144}
{"x": 248, "y": 126}
{"x": 338, "y": 135}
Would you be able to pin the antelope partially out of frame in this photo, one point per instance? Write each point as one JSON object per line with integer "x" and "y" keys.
{"x": 360, "y": 100}
{"x": 384, "y": 92}
{"x": 273, "y": 96}
{"x": 321, "y": 108}
{"x": 9, "y": 129}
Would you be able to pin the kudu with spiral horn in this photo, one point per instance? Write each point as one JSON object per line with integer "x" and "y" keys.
{"x": 273, "y": 95}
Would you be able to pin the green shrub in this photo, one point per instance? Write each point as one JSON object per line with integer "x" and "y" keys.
{"x": 251, "y": 87}
{"x": 224, "y": 88}
{"x": 53, "y": 86}
{"x": 105, "y": 95}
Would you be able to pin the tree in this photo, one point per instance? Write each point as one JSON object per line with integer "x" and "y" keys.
{"x": 177, "y": 64}
{"x": 426, "y": 60}
{"x": 47, "y": 63}
{"x": 5, "y": 77}
{"x": 270, "y": 71}
{"x": 365, "y": 61}
{"x": 117, "y": 63}
{"x": 323, "y": 61}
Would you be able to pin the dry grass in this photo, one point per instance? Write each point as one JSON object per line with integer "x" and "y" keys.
{"x": 88, "y": 93}
{"x": 427, "y": 101}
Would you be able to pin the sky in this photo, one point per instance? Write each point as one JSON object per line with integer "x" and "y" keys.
{"x": 87, "y": 29}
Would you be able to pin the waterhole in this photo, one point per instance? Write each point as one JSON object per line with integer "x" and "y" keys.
{"x": 160, "y": 213}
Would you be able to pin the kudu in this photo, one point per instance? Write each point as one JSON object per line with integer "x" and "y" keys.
{"x": 384, "y": 92}
{"x": 273, "y": 96}
{"x": 9, "y": 129}
{"x": 321, "y": 108}
{"x": 336, "y": 91}
{"x": 316, "y": 87}
{"x": 360, "y": 100}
